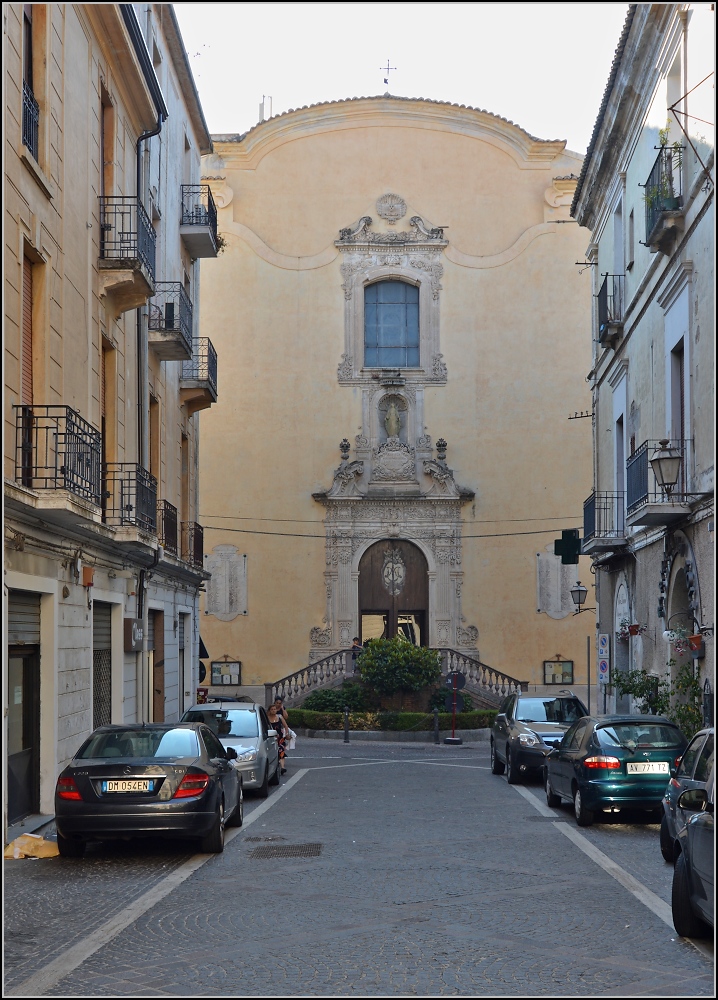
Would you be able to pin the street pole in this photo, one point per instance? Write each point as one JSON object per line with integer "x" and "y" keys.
{"x": 588, "y": 670}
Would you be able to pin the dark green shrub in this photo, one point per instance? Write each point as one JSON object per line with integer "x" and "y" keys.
{"x": 350, "y": 694}
{"x": 300, "y": 718}
{"x": 392, "y": 665}
{"x": 438, "y": 700}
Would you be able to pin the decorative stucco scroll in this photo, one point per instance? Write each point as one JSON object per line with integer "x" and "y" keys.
{"x": 498, "y": 259}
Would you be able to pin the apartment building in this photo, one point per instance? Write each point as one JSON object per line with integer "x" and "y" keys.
{"x": 106, "y": 221}
{"x": 646, "y": 193}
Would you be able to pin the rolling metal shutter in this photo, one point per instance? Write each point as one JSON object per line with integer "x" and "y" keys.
{"x": 151, "y": 629}
{"x": 23, "y": 618}
{"x": 101, "y": 625}
{"x": 101, "y": 663}
{"x": 182, "y": 619}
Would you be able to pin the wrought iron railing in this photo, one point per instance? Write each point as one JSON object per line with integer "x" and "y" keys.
{"x": 662, "y": 190}
{"x": 641, "y": 485}
{"x": 171, "y": 311}
{"x": 490, "y": 686}
{"x": 193, "y": 543}
{"x": 30, "y": 120}
{"x": 167, "y": 526}
{"x": 198, "y": 207}
{"x": 604, "y": 516}
{"x": 610, "y": 304}
{"x": 126, "y": 231}
{"x": 132, "y": 496}
{"x": 55, "y": 448}
{"x": 202, "y": 366}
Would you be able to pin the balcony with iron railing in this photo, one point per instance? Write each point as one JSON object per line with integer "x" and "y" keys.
{"x": 170, "y": 322}
{"x": 131, "y": 497}
{"x": 610, "y": 309}
{"x": 198, "y": 379}
{"x": 58, "y": 450}
{"x": 663, "y": 198}
{"x": 30, "y": 121}
{"x": 198, "y": 222}
{"x": 127, "y": 252}
{"x": 646, "y": 503}
{"x": 193, "y": 544}
{"x": 167, "y": 526}
{"x": 604, "y": 522}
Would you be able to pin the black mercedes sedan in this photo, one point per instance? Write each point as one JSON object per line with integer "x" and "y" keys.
{"x": 168, "y": 780}
{"x": 526, "y": 729}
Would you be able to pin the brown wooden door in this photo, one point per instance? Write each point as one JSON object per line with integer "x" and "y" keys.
{"x": 394, "y": 583}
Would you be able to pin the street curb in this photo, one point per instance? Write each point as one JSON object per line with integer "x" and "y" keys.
{"x": 390, "y": 736}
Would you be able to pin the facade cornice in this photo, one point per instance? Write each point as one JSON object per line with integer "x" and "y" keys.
{"x": 167, "y": 18}
{"x": 635, "y": 74}
{"x": 527, "y": 151}
{"x": 112, "y": 36}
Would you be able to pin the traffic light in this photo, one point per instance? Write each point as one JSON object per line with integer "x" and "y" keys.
{"x": 568, "y": 546}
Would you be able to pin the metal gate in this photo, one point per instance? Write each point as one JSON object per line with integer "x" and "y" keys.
{"x": 101, "y": 664}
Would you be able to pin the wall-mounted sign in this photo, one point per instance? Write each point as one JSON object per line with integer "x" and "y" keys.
{"x": 226, "y": 672}
{"x": 134, "y": 634}
{"x": 604, "y": 659}
{"x": 558, "y": 671}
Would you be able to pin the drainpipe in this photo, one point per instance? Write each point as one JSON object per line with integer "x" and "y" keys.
{"x": 142, "y": 348}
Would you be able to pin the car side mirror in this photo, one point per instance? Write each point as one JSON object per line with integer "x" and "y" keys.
{"x": 673, "y": 772}
{"x": 501, "y": 715}
{"x": 694, "y": 800}
{"x": 553, "y": 752}
{"x": 230, "y": 753}
{"x": 272, "y": 733}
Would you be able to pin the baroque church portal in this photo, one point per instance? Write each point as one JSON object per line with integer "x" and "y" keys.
{"x": 404, "y": 335}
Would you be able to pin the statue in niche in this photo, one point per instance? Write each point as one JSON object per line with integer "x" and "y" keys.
{"x": 392, "y": 421}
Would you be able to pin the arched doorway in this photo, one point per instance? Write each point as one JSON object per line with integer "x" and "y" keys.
{"x": 394, "y": 592}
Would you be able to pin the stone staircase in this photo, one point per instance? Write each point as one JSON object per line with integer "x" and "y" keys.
{"x": 487, "y": 686}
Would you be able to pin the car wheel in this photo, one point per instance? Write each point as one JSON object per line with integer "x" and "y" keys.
{"x": 666, "y": 842}
{"x": 686, "y": 923}
{"x": 213, "y": 843}
{"x": 552, "y": 799}
{"x": 70, "y": 848}
{"x": 263, "y": 790}
{"x": 584, "y": 817}
{"x": 496, "y": 766}
{"x": 237, "y": 817}
{"x": 512, "y": 772}
{"x": 274, "y": 780}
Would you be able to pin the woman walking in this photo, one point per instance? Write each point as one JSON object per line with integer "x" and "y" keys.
{"x": 277, "y": 723}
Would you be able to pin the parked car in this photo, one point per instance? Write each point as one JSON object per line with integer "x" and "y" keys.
{"x": 525, "y": 729}
{"x": 613, "y": 763}
{"x": 693, "y": 876}
{"x": 168, "y": 780}
{"x": 244, "y": 727}
{"x": 692, "y": 772}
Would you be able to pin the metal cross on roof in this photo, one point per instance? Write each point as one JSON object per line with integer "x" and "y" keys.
{"x": 387, "y": 69}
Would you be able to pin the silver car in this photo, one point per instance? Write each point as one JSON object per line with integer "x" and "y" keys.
{"x": 245, "y": 727}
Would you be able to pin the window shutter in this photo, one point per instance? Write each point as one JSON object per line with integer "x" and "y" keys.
{"x": 23, "y": 618}
{"x": 101, "y": 625}
{"x": 26, "y": 349}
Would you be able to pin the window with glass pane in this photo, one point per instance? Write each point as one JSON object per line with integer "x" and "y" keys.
{"x": 391, "y": 325}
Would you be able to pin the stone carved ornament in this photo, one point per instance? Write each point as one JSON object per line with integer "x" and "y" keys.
{"x": 391, "y": 208}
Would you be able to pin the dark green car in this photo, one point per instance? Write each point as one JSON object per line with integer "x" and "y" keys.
{"x": 613, "y": 763}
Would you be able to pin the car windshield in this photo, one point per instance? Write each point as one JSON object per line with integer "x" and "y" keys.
{"x": 566, "y": 710}
{"x": 226, "y": 722}
{"x": 142, "y": 743}
{"x": 657, "y": 735}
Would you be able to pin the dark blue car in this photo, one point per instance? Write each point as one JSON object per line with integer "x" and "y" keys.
{"x": 692, "y": 772}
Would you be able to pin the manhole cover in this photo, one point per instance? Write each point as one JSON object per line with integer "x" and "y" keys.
{"x": 287, "y": 851}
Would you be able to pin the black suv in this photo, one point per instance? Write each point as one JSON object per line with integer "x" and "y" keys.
{"x": 527, "y": 727}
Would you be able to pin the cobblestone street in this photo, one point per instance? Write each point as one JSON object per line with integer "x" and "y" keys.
{"x": 419, "y": 874}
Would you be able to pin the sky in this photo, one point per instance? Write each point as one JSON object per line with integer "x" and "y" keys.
{"x": 543, "y": 66}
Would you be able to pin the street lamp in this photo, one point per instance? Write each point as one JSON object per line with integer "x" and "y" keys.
{"x": 666, "y": 464}
{"x": 578, "y": 596}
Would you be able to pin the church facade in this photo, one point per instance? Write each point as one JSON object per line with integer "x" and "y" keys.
{"x": 404, "y": 427}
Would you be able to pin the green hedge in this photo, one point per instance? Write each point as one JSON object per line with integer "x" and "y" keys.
{"x": 301, "y": 718}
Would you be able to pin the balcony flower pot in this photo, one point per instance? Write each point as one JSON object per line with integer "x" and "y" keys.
{"x": 697, "y": 646}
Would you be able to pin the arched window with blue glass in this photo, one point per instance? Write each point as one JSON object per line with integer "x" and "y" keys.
{"x": 391, "y": 325}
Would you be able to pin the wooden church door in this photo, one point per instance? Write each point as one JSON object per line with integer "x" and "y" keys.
{"x": 394, "y": 592}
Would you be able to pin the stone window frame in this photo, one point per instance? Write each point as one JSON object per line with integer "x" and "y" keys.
{"x": 352, "y": 370}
